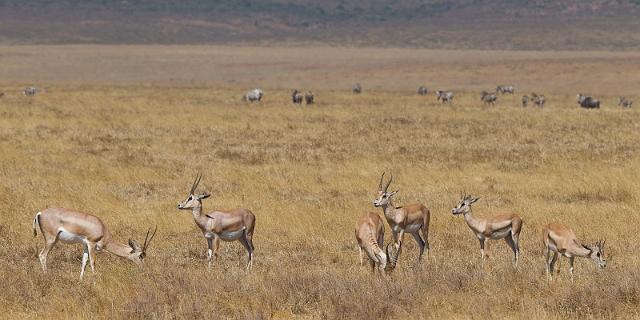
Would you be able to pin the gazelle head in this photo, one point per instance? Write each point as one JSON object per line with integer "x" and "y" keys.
{"x": 393, "y": 251}
{"x": 138, "y": 253}
{"x": 464, "y": 206}
{"x": 597, "y": 254}
{"x": 384, "y": 196}
{"x": 194, "y": 200}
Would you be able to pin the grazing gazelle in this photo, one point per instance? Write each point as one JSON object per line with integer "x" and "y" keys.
{"x": 370, "y": 237}
{"x": 503, "y": 226}
{"x": 228, "y": 225}
{"x": 559, "y": 239}
{"x": 413, "y": 218}
{"x": 76, "y": 227}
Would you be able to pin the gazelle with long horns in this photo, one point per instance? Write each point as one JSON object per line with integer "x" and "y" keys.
{"x": 76, "y": 227}
{"x": 226, "y": 225}
{"x": 413, "y": 218}
{"x": 505, "y": 226}
{"x": 560, "y": 240}
{"x": 370, "y": 237}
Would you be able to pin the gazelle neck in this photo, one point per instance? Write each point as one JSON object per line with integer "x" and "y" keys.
{"x": 117, "y": 248}
{"x": 471, "y": 220}
{"x": 583, "y": 251}
{"x": 196, "y": 212}
{"x": 388, "y": 209}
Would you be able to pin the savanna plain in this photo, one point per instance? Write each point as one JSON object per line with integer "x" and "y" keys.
{"x": 122, "y": 131}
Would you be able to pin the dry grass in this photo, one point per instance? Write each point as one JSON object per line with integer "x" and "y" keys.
{"x": 129, "y": 154}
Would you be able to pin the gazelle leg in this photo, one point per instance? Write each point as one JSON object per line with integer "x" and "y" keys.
{"x": 212, "y": 252}
{"x": 509, "y": 240}
{"x": 516, "y": 242}
{"x": 482, "y": 241}
{"x": 421, "y": 244}
{"x": 400, "y": 237}
{"x": 571, "y": 267}
{"x": 92, "y": 256}
{"x": 49, "y": 243}
{"x": 360, "y": 252}
{"x": 245, "y": 243}
{"x": 249, "y": 237}
{"x": 395, "y": 236}
{"x": 85, "y": 257}
{"x": 547, "y": 261}
{"x": 558, "y": 269}
{"x": 425, "y": 237}
{"x": 552, "y": 262}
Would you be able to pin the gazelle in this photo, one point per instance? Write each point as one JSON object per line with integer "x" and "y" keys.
{"x": 503, "y": 226}
{"x": 559, "y": 239}
{"x": 370, "y": 237}
{"x": 76, "y": 227}
{"x": 228, "y": 225}
{"x": 413, "y": 218}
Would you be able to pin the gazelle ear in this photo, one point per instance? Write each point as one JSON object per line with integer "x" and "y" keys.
{"x": 134, "y": 246}
{"x": 205, "y": 195}
{"x": 474, "y": 200}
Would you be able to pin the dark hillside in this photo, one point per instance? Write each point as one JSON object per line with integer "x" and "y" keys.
{"x": 492, "y": 24}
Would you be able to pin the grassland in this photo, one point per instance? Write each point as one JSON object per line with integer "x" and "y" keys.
{"x": 127, "y": 150}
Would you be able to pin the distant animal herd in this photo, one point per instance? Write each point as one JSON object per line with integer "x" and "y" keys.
{"x": 446, "y": 97}
{"x": 442, "y": 96}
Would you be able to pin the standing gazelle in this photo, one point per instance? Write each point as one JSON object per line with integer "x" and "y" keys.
{"x": 228, "y": 225}
{"x": 503, "y": 226}
{"x": 413, "y": 218}
{"x": 76, "y": 227}
{"x": 559, "y": 239}
{"x": 370, "y": 237}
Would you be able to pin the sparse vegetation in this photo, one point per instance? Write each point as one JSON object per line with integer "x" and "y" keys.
{"x": 128, "y": 153}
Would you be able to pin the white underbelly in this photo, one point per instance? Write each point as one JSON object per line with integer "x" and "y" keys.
{"x": 412, "y": 228}
{"x": 226, "y": 236}
{"x": 500, "y": 234}
{"x": 68, "y": 237}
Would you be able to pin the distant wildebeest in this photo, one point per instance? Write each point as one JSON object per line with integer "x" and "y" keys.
{"x": 308, "y": 97}
{"x": 488, "y": 98}
{"x": 525, "y": 101}
{"x": 539, "y": 100}
{"x": 505, "y": 89}
{"x": 30, "y": 91}
{"x": 1, "y": 94}
{"x": 622, "y": 102}
{"x": 444, "y": 96}
{"x": 253, "y": 95}
{"x": 356, "y": 89}
{"x": 588, "y": 102}
{"x": 422, "y": 90}
{"x": 296, "y": 97}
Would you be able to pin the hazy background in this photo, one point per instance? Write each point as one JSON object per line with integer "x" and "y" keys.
{"x": 460, "y": 24}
